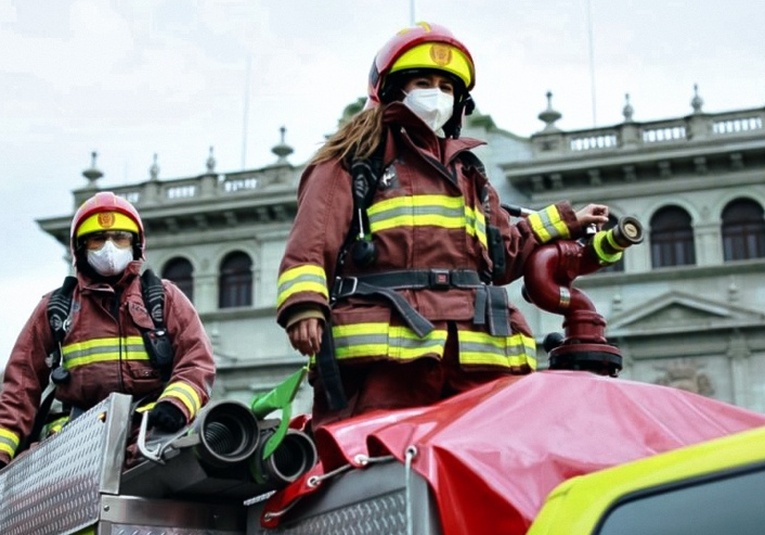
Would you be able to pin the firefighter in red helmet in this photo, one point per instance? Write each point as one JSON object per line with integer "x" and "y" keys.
{"x": 392, "y": 278}
{"x": 424, "y": 48}
{"x": 92, "y": 336}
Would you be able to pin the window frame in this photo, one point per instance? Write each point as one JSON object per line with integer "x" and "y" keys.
{"x": 235, "y": 282}
{"x": 673, "y": 242}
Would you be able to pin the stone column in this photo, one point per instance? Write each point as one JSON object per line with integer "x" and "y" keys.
{"x": 738, "y": 356}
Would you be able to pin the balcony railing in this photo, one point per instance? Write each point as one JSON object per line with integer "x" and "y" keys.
{"x": 204, "y": 187}
{"x": 632, "y": 135}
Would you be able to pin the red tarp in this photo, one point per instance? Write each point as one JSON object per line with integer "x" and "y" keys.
{"x": 493, "y": 454}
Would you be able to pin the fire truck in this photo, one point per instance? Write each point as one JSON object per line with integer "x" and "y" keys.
{"x": 571, "y": 449}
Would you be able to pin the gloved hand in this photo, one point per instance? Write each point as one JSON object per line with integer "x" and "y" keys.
{"x": 3, "y": 464}
{"x": 166, "y": 417}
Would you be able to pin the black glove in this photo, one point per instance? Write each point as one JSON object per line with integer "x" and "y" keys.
{"x": 166, "y": 417}
{"x": 3, "y": 464}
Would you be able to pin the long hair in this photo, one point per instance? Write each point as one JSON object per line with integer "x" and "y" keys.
{"x": 358, "y": 138}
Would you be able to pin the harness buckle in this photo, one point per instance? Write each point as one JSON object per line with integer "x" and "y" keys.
{"x": 440, "y": 279}
{"x": 339, "y": 289}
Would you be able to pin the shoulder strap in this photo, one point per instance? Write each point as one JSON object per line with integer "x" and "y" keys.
{"x": 365, "y": 175}
{"x": 153, "y": 297}
{"x": 157, "y": 341}
{"x": 493, "y": 235}
{"x": 59, "y": 308}
{"x": 469, "y": 159}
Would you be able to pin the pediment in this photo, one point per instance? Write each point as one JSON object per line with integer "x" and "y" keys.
{"x": 675, "y": 312}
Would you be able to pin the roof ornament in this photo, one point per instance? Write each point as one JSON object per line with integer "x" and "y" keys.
{"x": 92, "y": 173}
{"x": 210, "y": 163}
{"x": 282, "y": 150}
{"x": 628, "y": 110}
{"x": 154, "y": 169}
{"x": 549, "y": 116}
{"x": 697, "y": 101}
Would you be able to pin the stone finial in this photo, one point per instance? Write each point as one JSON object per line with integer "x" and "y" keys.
{"x": 210, "y": 163}
{"x": 696, "y": 102}
{"x": 154, "y": 169}
{"x": 549, "y": 116}
{"x": 282, "y": 150}
{"x": 92, "y": 173}
{"x": 628, "y": 110}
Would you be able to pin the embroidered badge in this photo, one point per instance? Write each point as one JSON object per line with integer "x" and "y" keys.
{"x": 441, "y": 54}
{"x": 106, "y": 220}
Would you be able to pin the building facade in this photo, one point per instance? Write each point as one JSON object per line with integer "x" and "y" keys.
{"x": 686, "y": 307}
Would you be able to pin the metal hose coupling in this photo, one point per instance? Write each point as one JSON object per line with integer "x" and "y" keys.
{"x": 609, "y": 244}
{"x": 293, "y": 457}
{"x": 228, "y": 433}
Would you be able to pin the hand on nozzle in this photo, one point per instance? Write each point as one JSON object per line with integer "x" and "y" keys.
{"x": 593, "y": 214}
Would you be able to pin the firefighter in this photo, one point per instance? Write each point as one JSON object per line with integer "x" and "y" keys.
{"x": 400, "y": 248}
{"x": 103, "y": 349}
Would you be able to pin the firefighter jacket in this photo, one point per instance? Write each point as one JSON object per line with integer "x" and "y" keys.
{"x": 429, "y": 221}
{"x": 104, "y": 352}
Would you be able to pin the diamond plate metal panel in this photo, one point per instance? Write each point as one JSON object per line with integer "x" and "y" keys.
{"x": 381, "y": 515}
{"x": 54, "y": 488}
{"x": 149, "y": 530}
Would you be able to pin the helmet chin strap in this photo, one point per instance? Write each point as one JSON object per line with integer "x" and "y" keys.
{"x": 462, "y": 108}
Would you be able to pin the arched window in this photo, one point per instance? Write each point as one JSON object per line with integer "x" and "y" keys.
{"x": 743, "y": 230}
{"x": 180, "y": 271}
{"x": 672, "y": 238}
{"x": 235, "y": 281}
{"x": 618, "y": 266}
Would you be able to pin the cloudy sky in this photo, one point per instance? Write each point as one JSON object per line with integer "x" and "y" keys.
{"x": 131, "y": 78}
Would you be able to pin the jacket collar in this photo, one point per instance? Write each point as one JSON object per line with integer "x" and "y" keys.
{"x": 396, "y": 114}
{"x": 131, "y": 271}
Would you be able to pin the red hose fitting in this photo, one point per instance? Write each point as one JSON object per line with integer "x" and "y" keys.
{"x": 548, "y": 277}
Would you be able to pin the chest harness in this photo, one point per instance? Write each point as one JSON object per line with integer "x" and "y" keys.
{"x": 59, "y": 311}
{"x": 491, "y": 304}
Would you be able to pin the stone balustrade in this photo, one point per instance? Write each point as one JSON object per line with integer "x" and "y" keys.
{"x": 551, "y": 143}
{"x": 156, "y": 192}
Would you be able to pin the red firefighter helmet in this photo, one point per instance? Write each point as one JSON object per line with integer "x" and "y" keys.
{"x": 423, "y": 46}
{"x": 107, "y": 211}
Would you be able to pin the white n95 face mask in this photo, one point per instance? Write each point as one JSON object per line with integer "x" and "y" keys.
{"x": 432, "y": 106}
{"x": 110, "y": 260}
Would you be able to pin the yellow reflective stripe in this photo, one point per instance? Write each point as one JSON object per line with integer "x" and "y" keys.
{"x": 146, "y": 407}
{"x": 55, "y": 426}
{"x": 375, "y": 339}
{"x": 476, "y": 225}
{"x": 547, "y": 224}
{"x": 417, "y": 210}
{"x": 597, "y": 245}
{"x": 104, "y": 350}
{"x": 9, "y": 442}
{"x": 185, "y": 394}
{"x": 304, "y": 278}
{"x": 428, "y": 210}
{"x": 404, "y": 344}
{"x": 360, "y": 340}
{"x": 483, "y": 348}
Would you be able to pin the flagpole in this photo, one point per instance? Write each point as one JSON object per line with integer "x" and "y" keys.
{"x": 592, "y": 61}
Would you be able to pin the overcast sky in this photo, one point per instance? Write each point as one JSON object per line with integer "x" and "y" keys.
{"x": 130, "y": 78}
